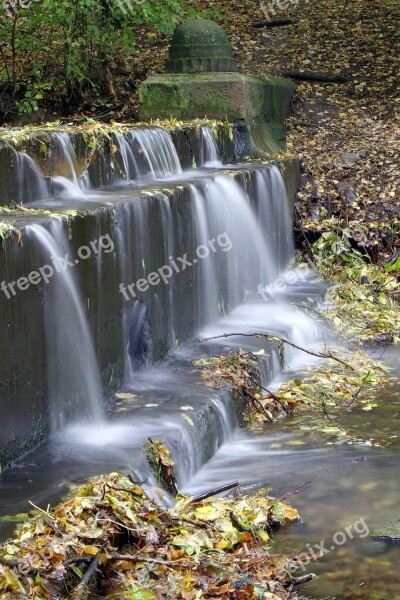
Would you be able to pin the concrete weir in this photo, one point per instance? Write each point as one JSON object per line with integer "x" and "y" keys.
{"x": 146, "y": 227}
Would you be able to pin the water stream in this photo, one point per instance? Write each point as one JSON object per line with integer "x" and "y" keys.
{"x": 251, "y": 233}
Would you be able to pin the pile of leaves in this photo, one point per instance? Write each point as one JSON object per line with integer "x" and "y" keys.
{"x": 239, "y": 370}
{"x": 110, "y": 540}
{"x": 350, "y": 378}
{"x": 333, "y": 386}
{"x": 365, "y": 296}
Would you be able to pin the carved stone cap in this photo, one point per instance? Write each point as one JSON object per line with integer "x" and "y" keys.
{"x": 200, "y": 46}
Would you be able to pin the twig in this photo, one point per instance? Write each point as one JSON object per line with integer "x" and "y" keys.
{"x": 200, "y": 524}
{"x": 354, "y": 398}
{"x": 11, "y": 564}
{"x": 270, "y": 336}
{"x": 218, "y": 490}
{"x": 41, "y": 510}
{"x": 137, "y": 482}
{"x": 273, "y": 396}
{"x": 91, "y": 569}
{"x": 22, "y": 568}
{"x": 258, "y": 406}
{"x": 238, "y": 525}
{"x": 77, "y": 559}
{"x": 293, "y": 492}
{"x": 128, "y": 557}
{"x": 80, "y": 588}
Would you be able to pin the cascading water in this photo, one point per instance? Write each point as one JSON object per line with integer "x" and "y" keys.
{"x": 70, "y": 184}
{"x": 31, "y": 183}
{"x": 209, "y": 155}
{"x": 158, "y": 150}
{"x": 74, "y": 391}
{"x": 233, "y": 235}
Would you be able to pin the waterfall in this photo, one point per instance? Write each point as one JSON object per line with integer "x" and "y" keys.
{"x": 70, "y": 184}
{"x": 209, "y": 153}
{"x": 217, "y": 239}
{"x": 158, "y": 150}
{"x": 74, "y": 391}
{"x": 31, "y": 184}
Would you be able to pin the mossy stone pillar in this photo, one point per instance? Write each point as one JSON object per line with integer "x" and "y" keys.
{"x": 202, "y": 80}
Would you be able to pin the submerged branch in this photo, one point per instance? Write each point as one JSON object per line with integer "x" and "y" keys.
{"x": 293, "y": 491}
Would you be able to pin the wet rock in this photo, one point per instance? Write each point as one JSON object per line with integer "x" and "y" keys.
{"x": 347, "y": 189}
{"x": 389, "y": 532}
{"x": 349, "y": 158}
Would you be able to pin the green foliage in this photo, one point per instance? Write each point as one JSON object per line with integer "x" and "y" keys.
{"x": 66, "y": 52}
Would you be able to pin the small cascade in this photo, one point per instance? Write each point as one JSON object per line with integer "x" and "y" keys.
{"x": 31, "y": 183}
{"x": 248, "y": 258}
{"x": 209, "y": 152}
{"x": 274, "y": 214}
{"x": 74, "y": 391}
{"x": 155, "y": 146}
{"x": 70, "y": 184}
{"x": 128, "y": 167}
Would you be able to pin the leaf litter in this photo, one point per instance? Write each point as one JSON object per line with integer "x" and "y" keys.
{"x": 110, "y": 540}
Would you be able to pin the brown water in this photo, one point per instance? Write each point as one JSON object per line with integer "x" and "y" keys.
{"x": 353, "y": 485}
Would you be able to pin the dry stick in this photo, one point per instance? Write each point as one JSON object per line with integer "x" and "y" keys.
{"x": 293, "y": 492}
{"x": 11, "y": 564}
{"x": 91, "y": 569}
{"x": 77, "y": 559}
{"x": 24, "y": 569}
{"x": 200, "y": 524}
{"x": 128, "y": 557}
{"x": 80, "y": 588}
{"x": 270, "y": 336}
{"x": 258, "y": 406}
{"x": 273, "y": 396}
{"x": 218, "y": 490}
{"x": 254, "y": 382}
{"x": 237, "y": 525}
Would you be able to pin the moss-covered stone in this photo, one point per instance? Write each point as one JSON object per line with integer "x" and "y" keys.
{"x": 225, "y": 96}
{"x": 200, "y": 46}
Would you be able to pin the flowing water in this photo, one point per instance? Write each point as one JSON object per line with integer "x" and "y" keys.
{"x": 74, "y": 391}
{"x": 210, "y": 155}
{"x": 251, "y": 246}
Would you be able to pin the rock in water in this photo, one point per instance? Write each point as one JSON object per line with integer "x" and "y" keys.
{"x": 388, "y": 533}
{"x": 139, "y": 337}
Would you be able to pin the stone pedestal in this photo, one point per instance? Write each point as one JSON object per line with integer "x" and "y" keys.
{"x": 202, "y": 81}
